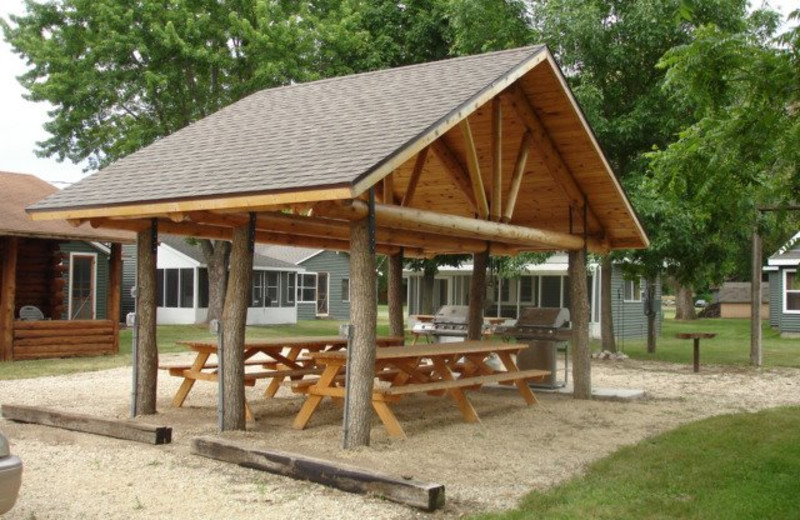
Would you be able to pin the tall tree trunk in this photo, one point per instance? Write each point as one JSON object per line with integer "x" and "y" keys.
{"x": 217, "y": 254}
{"x": 363, "y": 319}
{"x": 579, "y": 316}
{"x": 684, "y": 302}
{"x": 477, "y": 294}
{"x": 755, "y": 301}
{"x": 234, "y": 320}
{"x": 428, "y": 283}
{"x": 606, "y": 309}
{"x": 650, "y": 302}
{"x": 396, "y": 295}
{"x": 147, "y": 348}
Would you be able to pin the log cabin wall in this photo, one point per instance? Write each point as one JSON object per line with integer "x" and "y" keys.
{"x": 40, "y": 277}
{"x": 62, "y": 338}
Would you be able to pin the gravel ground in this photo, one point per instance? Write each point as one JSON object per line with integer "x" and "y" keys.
{"x": 485, "y": 466}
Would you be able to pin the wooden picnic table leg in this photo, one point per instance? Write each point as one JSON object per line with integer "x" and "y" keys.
{"x": 275, "y": 384}
{"x": 388, "y": 418}
{"x": 313, "y": 400}
{"x": 188, "y": 383}
{"x": 522, "y": 385}
{"x": 467, "y": 410}
{"x": 696, "y": 357}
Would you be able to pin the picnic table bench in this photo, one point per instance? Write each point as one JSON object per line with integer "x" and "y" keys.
{"x": 439, "y": 369}
{"x": 279, "y": 356}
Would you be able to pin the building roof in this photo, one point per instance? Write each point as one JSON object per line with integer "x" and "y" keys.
{"x": 180, "y": 244}
{"x": 292, "y": 255}
{"x": 333, "y": 139}
{"x": 789, "y": 254}
{"x": 739, "y": 292}
{"x": 20, "y": 190}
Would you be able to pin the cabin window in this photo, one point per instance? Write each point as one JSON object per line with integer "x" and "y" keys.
{"x": 791, "y": 291}
{"x": 175, "y": 288}
{"x": 632, "y": 290}
{"x": 291, "y": 289}
{"x": 527, "y": 289}
{"x": 307, "y": 288}
{"x": 345, "y": 289}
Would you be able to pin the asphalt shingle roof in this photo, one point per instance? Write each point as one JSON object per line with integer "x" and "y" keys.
{"x": 290, "y": 254}
{"x": 320, "y": 134}
{"x": 790, "y": 251}
{"x": 20, "y": 190}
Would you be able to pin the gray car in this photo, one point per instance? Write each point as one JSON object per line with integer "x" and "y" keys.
{"x": 10, "y": 476}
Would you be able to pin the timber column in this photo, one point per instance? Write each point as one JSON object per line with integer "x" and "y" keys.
{"x": 395, "y": 295}
{"x": 363, "y": 319}
{"x": 147, "y": 347}
{"x": 234, "y": 320}
{"x": 579, "y": 316}
{"x": 477, "y": 294}
{"x": 114, "y": 291}
{"x": 8, "y": 297}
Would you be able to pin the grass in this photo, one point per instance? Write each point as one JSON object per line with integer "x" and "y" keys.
{"x": 743, "y": 466}
{"x": 730, "y": 347}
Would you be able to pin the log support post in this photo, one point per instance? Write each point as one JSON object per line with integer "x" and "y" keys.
{"x": 477, "y": 294}
{"x": 579, "y": 316}
{"x": 114, "y": 291}
{"x": 8, "y": 297}
{"x": 396, "y": 294}
{"x": 234, "y": 320}
{"x": 146, "y": 360}
{"x": 363, "y": 320}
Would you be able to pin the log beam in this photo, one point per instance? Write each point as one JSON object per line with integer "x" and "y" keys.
{"x": 558, "y": 169}
{"x": 497, "y": 159}
{"x": 474, "y": 170}
{"x": 453, "y": 225}
{"x": 519, "y": 173}
{"x": 114, "y": 291}
{"x": 8, "y": 297}
{"x": 413, "y": 181}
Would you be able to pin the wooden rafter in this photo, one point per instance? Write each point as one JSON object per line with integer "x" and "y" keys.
{"x": 497, "y": 159}
{"x": 388, "y": 189}
{"x": 456, "y": 171}
{"x": 519, "y": 173}
{"x": 474, "y": 170}
{"x": 558, "y": 169}
{"x": 419, "y": 164}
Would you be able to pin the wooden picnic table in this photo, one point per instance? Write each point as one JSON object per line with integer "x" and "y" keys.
{"x": 281, "y": 360}
{"x": 438, "y": 369}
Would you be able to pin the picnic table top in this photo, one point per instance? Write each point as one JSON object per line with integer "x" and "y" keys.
{"x": 695, "y": 335}
{"x": 429, "y": 350}
{"x": 294, "y": 341}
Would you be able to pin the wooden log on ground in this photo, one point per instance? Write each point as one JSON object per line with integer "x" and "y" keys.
{"x": 120, "y": 429}
{"x": 426, "y": 496}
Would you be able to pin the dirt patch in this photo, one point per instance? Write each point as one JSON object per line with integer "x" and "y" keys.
{"x": 485, "y": 466}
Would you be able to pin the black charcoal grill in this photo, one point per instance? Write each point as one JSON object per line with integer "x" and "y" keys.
{"x": 545, "y": 330}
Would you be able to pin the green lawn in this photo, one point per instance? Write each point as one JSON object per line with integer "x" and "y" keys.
{"x": 730, "y": 347}
{"x": 744, "y": 466}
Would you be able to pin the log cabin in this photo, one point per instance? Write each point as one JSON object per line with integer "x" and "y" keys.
{"x": 60, "y": 285}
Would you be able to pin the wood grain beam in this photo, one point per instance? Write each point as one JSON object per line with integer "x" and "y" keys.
{"x": 497, "y": 159}
{"x": 519, "y": 173}
{"x": 7, "y": 296}
{"x": 561, "y": 174}
{"x": 474, "y": 170}
{"x": 456, "y": 171}
{"x": 388, "y": 189}
{"x": 419, "y": 164}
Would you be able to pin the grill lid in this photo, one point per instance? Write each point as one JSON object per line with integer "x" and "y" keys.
{"x": 550, "y": 317}
{"x": 452, "y": 315}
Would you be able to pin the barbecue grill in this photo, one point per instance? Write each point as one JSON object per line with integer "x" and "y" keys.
{"x": 450, "y": 324}
{"x": 545, "y": 331}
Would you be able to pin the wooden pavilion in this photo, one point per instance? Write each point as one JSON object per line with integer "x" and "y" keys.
{"x": 480, "y": 154}
{"x": 36, "y": 258}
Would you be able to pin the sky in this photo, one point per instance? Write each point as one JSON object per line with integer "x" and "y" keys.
{"x": 21, "y": 121}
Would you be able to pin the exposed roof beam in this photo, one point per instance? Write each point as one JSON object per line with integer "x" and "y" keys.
{"x": 474, "y": 170}
{"x": 497, "y": 159}
{"x": 519, "y": 173}
{"x": 419, "y": 164}
{"x": 558, "y": 169}
{"x": 453, "y": 225}
{"x": 388, "y": 189}
{"x": 453, "y": 167}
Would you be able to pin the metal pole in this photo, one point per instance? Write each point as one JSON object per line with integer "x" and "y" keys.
{"x": 215, "y": 326}
{"x": 348, "y": 330}
{"x": 134, "y": 322}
